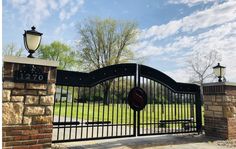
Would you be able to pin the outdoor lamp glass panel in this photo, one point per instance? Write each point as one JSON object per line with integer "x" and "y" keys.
{"x": 223, "y": 71}
{"x": 32, "y": 40}
{"x": 216, "y": 71}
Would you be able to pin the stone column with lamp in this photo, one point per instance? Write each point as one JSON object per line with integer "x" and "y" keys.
{"x": 28, "y": 96}
{"x": 220, "y": 107}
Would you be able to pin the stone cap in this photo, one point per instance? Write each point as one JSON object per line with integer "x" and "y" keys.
{"x": 33, "y": 61}
{"x": 220, "y": 84}
{"x": 219, "y": 88}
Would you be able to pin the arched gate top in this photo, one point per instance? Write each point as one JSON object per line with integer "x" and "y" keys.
{"x": 128, "y": 69}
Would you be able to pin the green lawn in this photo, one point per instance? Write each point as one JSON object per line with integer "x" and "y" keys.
{"x": 121, "y": 113}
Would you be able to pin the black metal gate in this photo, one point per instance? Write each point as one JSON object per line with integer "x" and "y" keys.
{"x": 95, "y": 105}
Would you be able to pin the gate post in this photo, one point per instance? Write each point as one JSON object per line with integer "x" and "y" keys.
{"x": 198, "y": 112}
{"x": 220, "y": 110}
{"x": 28, "y": 96}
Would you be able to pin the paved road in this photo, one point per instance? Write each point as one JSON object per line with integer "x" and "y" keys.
{"x": 154, "y": 142}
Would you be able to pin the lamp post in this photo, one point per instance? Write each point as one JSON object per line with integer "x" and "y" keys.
{"x": 219, "y": 71}
{"x": 32, "y": 40}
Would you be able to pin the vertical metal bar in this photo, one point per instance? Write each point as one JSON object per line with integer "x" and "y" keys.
{"x": 175, "y": 111}
{"x": 172, "y": 113}
{"x": 168, "y": 104}
{"x": 158, "y": 108}
{"x": 99, "y": 94}
{"x": 188, "y": 106}
{"x": 184, "y": 110}
{"x": 67, "y": 88}
{"x": 191, "y": 113}
{"x": 195, "y": 115}
{"x": 126, "y": 108}
{"x": 143, "y": 109}
{"x": 88, "y": 112}
{"x": 154, "y": 109}
{"x": 121, "y": 104}
{"x": 138, "y": 77}
{"x": 59, "y": 117}
{"x": 117, "y": 110}
{"x": 198, "y": 111}
{"x": 103, "y": 110}
{"x": 136, "y": 82}
{"x": 181, "y": 108}
{"x": 71, "y": 112}
{"x": 108, "y": 108}
{"x": 113, "y": 99}
{"x": 162, "y": 110}
{"x": 150, "y": 105}
{"x": 147, "y": 106}
{"x": 82, "y": 122}
{"x": 77, "y": 110}
{"x": 130, "y": 115}
{"x": 94, "y": 94}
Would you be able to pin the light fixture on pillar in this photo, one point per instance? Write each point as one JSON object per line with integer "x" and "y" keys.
{"x": 32, "y": 40}
{"x": 219, "y": 71}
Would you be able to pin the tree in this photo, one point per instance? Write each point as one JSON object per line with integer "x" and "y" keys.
{"x": 105, "y": 42}
{"x": 11, "y": 49}
{"x": 200, "y": 65}
{"x": 60, "y": 52}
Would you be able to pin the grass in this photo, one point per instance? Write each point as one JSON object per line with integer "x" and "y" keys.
{"x": 122, "y": 113}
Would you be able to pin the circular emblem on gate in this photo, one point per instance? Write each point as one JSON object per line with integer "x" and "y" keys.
{"x": 137, "y": 98}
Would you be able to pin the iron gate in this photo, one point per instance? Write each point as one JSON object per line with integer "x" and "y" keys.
{"x": 95, "y": 105}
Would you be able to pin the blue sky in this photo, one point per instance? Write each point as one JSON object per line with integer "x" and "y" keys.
{"x": 170, "y": 30}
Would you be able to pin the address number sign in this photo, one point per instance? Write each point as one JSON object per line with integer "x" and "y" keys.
{"x": 30, "y": 73}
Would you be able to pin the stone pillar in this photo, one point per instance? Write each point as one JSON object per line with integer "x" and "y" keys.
{"x": 27, "y": 107}
{"x": 220, "y": 110}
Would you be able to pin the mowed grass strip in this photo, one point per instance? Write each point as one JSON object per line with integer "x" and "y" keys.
{"x": 122, "y": 113}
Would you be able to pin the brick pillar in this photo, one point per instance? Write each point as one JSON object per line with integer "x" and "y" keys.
{"x": 26, "y": 106}
{"x": 220, "y": 110}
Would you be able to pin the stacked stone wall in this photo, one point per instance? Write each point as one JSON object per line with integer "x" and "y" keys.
{"x": 27, "y": 110}
{"x": 220, "y": 111}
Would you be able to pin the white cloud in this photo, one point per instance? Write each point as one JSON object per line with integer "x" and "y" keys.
{"x": 216, "y": 15}
{"x": 63, "y": 2}
{"x": 53, "y": 4}
{"x": 179, "y": 75}
{"x": 70, "y": 8}
{"x": 191, "y": 3}
{"x": 162, "y": 31}
{"x": 210, "y": 29}
{"x": 34, "y": 12}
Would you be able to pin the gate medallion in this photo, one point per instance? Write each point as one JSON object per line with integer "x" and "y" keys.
{"x": 137, "y": 98}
